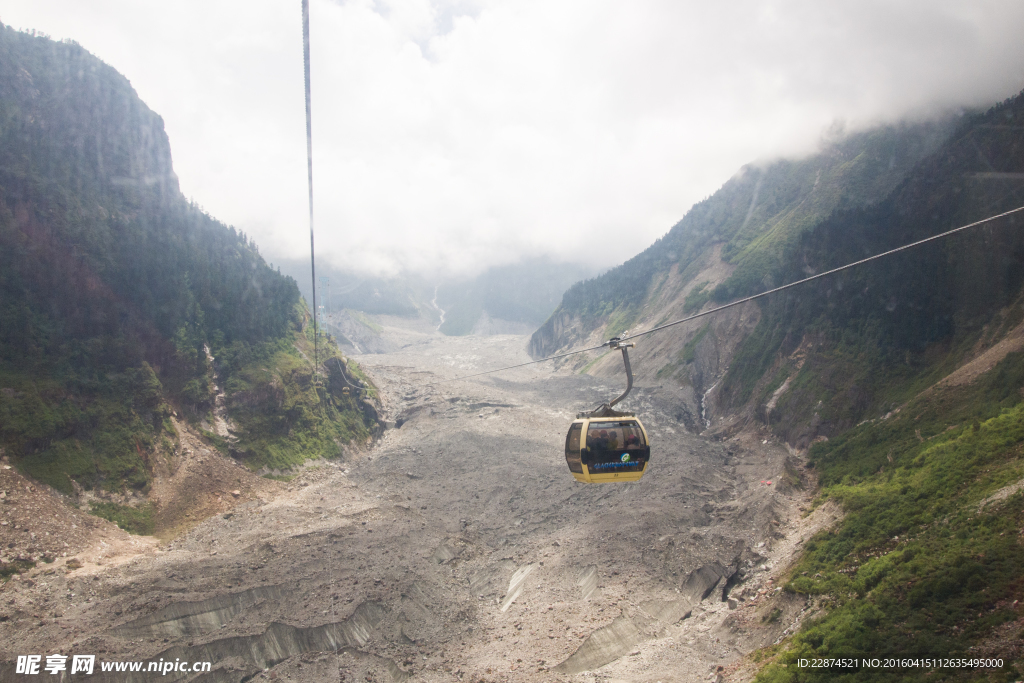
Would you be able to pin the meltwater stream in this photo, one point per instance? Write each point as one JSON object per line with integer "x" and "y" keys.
{"x": 433, "y": 302}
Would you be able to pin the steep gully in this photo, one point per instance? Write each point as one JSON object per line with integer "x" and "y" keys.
{"x": 457, "y": 549}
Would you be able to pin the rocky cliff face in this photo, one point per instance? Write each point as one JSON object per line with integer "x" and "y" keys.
{"x": 72, "y": 119}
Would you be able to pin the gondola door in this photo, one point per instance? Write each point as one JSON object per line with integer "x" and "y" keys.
{"x": 572, "y": 449}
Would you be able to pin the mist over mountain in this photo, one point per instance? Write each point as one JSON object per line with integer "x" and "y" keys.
{"x": 512, "y": 298}
{"x": 460, "y": 132}
{"x": 753, "y": 219}
{"x": 525, "y": 293}
{"x": 777, "y": 223}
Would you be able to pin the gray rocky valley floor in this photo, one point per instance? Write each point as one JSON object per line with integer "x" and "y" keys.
{"x": 456, "y": 548}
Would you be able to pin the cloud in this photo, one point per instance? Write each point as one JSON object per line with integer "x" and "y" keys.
{"x": 457, "y": 134}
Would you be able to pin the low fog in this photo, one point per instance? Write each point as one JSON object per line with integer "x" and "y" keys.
{"x": 455, "y": 135}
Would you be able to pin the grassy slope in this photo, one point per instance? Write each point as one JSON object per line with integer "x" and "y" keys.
{"x": 108, "y": 434}
{"x": 96, "y": 431}
{"x": 283, "y": 421}
{"x": 918, "y": 567}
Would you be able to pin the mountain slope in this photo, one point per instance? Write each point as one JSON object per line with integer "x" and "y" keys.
{"x": 752, "y": 220}
{"x": 864, "y": 194}
{"x": 122, "y": 303}
{"x": 888, "y": 329}
{"x": 900, "y": 381}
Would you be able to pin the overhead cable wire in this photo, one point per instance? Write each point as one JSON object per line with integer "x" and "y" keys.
{"x": 320, "y": 391}
{"x": 744, "y": 300}
{"x": 309, "y": 168}
{"x": 825, "y": 274}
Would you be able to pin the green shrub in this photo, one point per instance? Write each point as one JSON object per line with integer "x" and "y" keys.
{"x": 9, "y": 569}
{"x": 696, "y": 298}
{"x": 135, "y": 520}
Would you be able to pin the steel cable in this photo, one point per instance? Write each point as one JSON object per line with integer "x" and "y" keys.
{"x": 744, "y": 300}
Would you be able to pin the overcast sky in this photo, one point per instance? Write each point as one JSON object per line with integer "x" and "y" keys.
{"x": 458, "y": 134}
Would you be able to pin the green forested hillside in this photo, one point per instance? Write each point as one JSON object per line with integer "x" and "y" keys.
{"x": 115, "y": 291}
{"x": 756, "y": 217}
{"x": 914, "y": 315}
{"x": 873, "y": 336}
{"x": 927, "y": 561}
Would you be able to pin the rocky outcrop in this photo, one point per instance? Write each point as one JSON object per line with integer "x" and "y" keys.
{"x": 339, "y": 378}
{"x": 561, "y": 330}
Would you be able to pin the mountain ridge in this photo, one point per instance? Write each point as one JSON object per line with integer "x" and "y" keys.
{"x": 123, "y": 306}
{"x": 736, "y": 248}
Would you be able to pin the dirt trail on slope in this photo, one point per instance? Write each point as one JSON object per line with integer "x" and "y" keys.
{"x": 458, "y": 549}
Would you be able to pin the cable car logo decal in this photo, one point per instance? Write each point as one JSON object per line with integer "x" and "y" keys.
{"x": 625, "y": 457}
